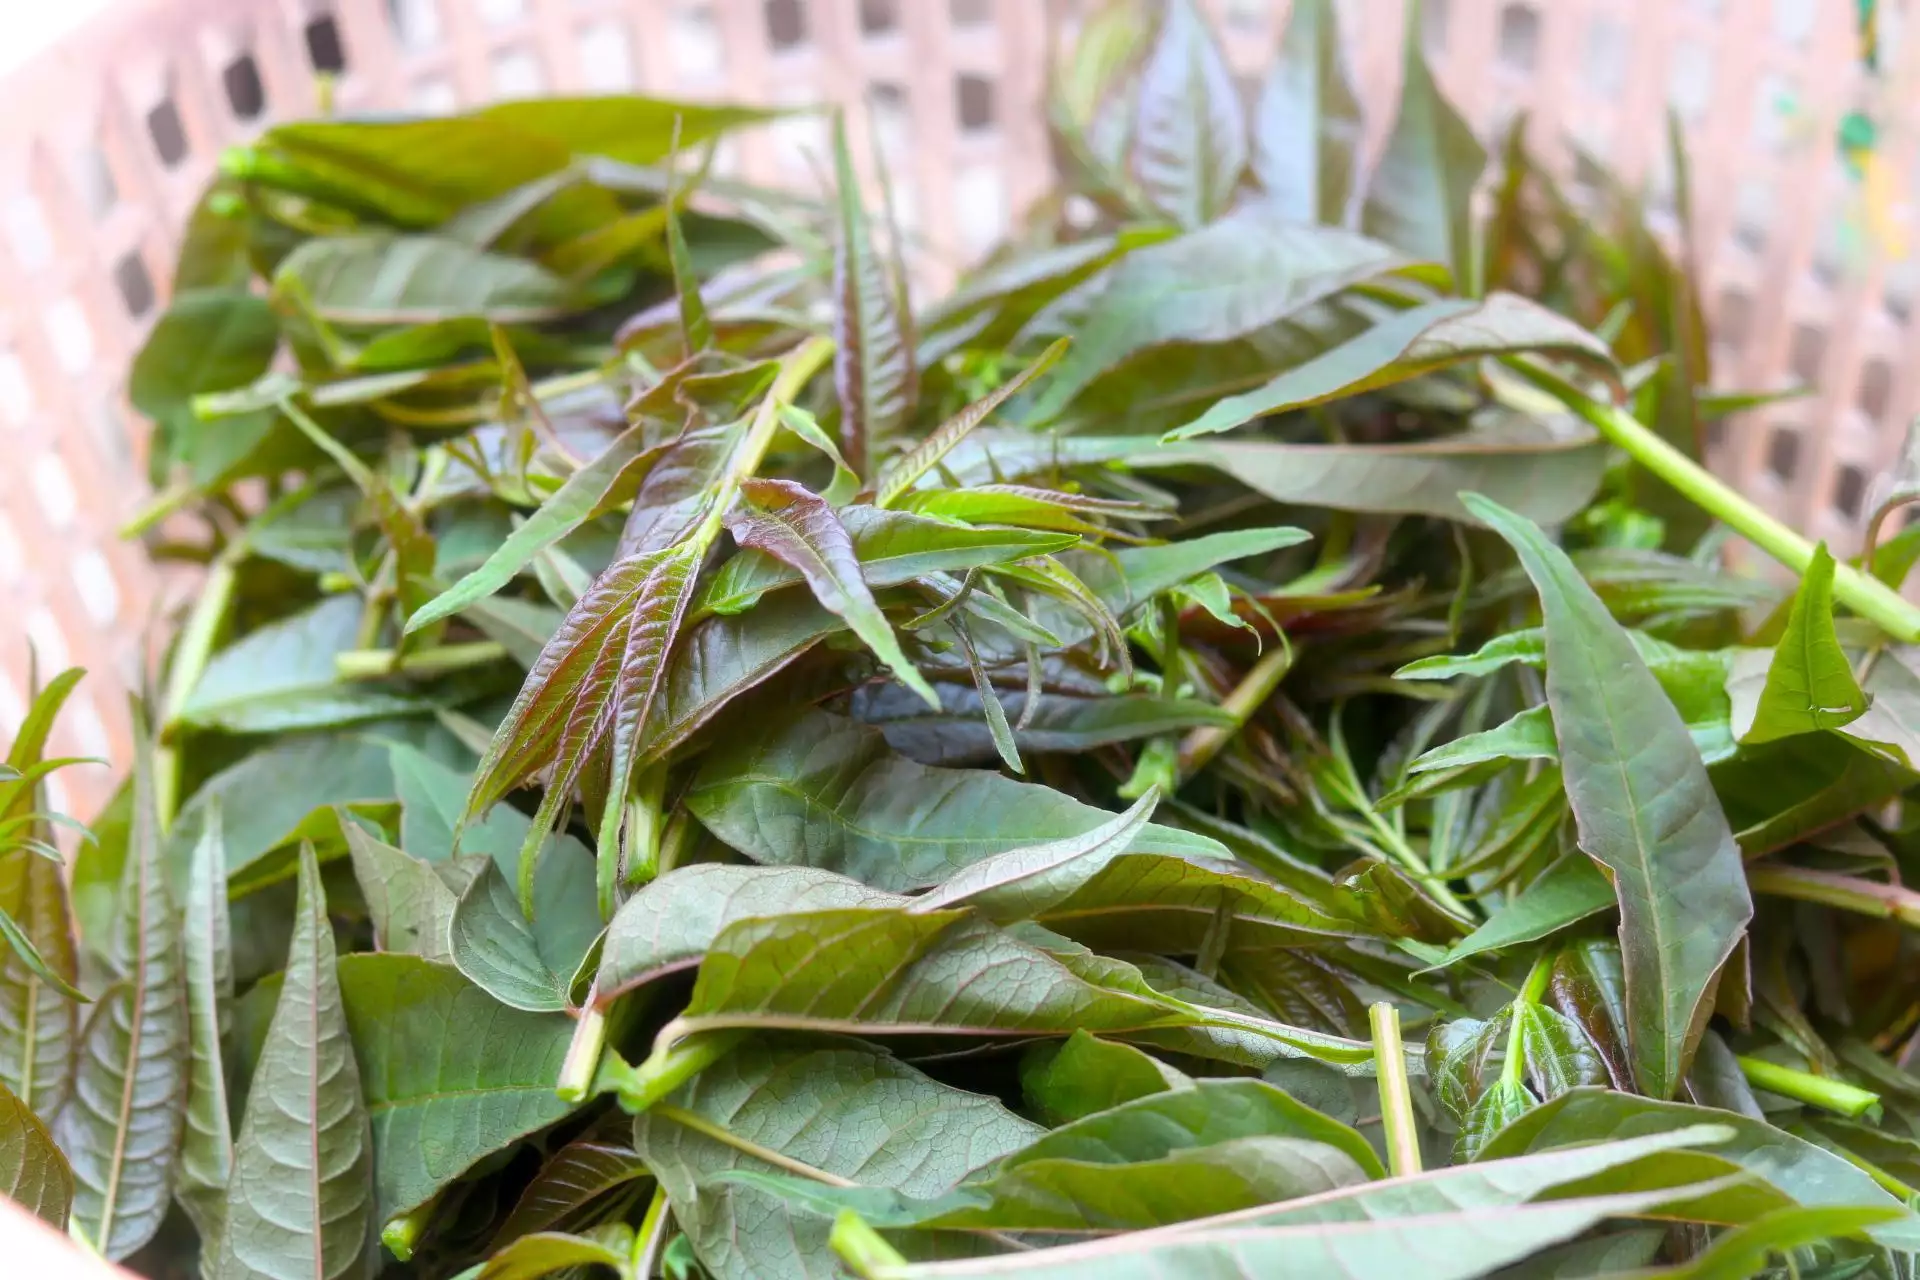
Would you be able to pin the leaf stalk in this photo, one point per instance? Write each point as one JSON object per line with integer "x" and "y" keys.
{"x": 1828, "y": 1094}
{"x": 1396, "y": 1095}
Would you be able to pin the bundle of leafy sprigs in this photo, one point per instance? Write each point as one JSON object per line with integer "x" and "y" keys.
{"x": 1222, "y": 746}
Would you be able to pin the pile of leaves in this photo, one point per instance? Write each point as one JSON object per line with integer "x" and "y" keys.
{"x": 1221, "y": 746}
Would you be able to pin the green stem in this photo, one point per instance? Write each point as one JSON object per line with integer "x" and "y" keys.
{"x": 373, "y": 664}
{"x": 649, "y": 1239}
{"x": 583, "y": 1054}
{"x": 1830, "y": 889}
{"x": 719, "y": 1133}
{"x": 1530, "y": 993}
{"x": 1204, "y": 743}
{"x": 864, "y": 1250}
{"x": 1396, "y": 1095}
{"x": 190, "y": 658}
{"x": 673, "y": 1062}
{"x": 403, "y": 1233}
{"x": 1860, "y": 592}
{"x": 1836, "y": 1096}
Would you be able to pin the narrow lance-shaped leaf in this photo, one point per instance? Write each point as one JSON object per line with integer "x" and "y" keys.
{"x": 602, "y": 484}
{"x": 301, "y": 1199}
{"x": 206, "y": 1148}
{"x": 33, "y": 1172}
{"x": 38, "y": 1022}
{"x": 1810, "y": 684}
{"x": 873, "y": 361}
{"x": 695, "y": 327}
{"x": 925, "y": 456}
{"x": 1022, "y": 883}
{"x": 1306, "y": 127}
{"x": 121, "y": 1125}
{"x": 1190, "y": 135}
{"x": 1420, "y": 194}
{"x": 789, "y": 522}
{"x": 1414, "y": 342}
{"x": 1645, "y": 809}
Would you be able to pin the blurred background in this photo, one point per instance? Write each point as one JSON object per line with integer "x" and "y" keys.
{"x": 1798, "y": 117}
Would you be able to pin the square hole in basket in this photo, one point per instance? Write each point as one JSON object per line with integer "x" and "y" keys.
{"x": 1876, "y": 388}
{"x": 1849, "y": 491}
{"x": 48, "y": 640}
{"x": 786, "y": 23}
{"x": 970, "y": 13}
{"x": 698, "y": 51}
{"x": 13, "y": 560}
{"x": 246, "y": 95}
{"x": 517, "y": 74}
{"x": 973, "y": 102}
{"x": 168, "y": 135}
{"x": 879, "y": 17}
{"x": 1733, "y": 317}
{"x": 1433, "y": 27}
{"x": 94, "y": 583}
{"x": 891, "y": 118}
{"x": 27, "y": 231}
{"x": 1783, "y": 454}
{"x": 94, "y": 178}
{"x": 1808, "y": 352}
{"x": 1520, "y": 37}
{"x": 53, "y": 488}
{"x": 134, "y": 285}
{"x": 325, "y": 51}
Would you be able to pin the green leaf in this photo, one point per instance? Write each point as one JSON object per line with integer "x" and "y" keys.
{"x": 1450, "y": 1243}
{"x": 1021, "y": 884}
{"x": 122, "y": 1122}
{"x": 546, "y": 1252}
{"x": 1189, "y": 135}
{"x": 206, "y": 1146}
{"x": 1542, "y": 472}
{"x": 1567, "y": 892}
{"x": 572, "y": 1178}
{"x": 1527, "y": 736}
{"x": 668, "y": 925}
{"x": 1073, "y": 1078}
{"x": 1420, "y": 340}
{"x": 695, "y": 326}
{"x": 1644, "y": 807}
{"x": 874, "y": 370}
{"x": 866, "y": 970}
{"x": 1749, "y": 1250}
{"x": 377, "y": 278}
{"x": 1420, "y": 194}
{"x": 893, "y": 547}
{"x": 1307, "y": 123}
{"x": 1810, "y": 684}
{"x": 798, "y": 528}
{"x": 38, "y": 1020}
{"x": 1243, "y": 273}
{"x": 33, "y": 1172}
{"x": 211, "y": 339}
{"x": 821, "y": 791}
{"x": 1057, "y": 722}
{"x": 301, "y": 1196}
{"x": 846, "y": 1110}
{"x": 451, "y": 1075}
{"x": 409, "y": 904}
{"x": 495, "y": 946}
{"x": 1808, "y": 1174}
{"x": 281, "y": 677}
{"x": 612, "y": 477}
{"x": 907, "y": 471}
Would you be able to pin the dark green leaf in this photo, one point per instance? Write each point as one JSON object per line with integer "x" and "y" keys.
{"x": 1420, "y": 194}
{"x": 122, "y": 1122}
{"x": 1810, "y": 684}
{"x": 1307, "y": 123}
{"x": 824, "y": 792}
{"x": 408, "y": 903}
{"x": 571, "y": 1179}
{"x": 33, "y": 1172}
{"x": 1418, "y": 341}
{"x": 1645, "y": 810}
{"x": 1544, "y": 473}
{"x": 1082, "y": 1074}
{"x": 206, "y": 1146}
{"x": 374, "y": 279}
{"x": 1189, "y": 135}
{"x": 846, "y": 1110}
{"x": 874, "y": 370}
{"x": 301, "y": 1196}
{"x": 1567, "y": 892}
